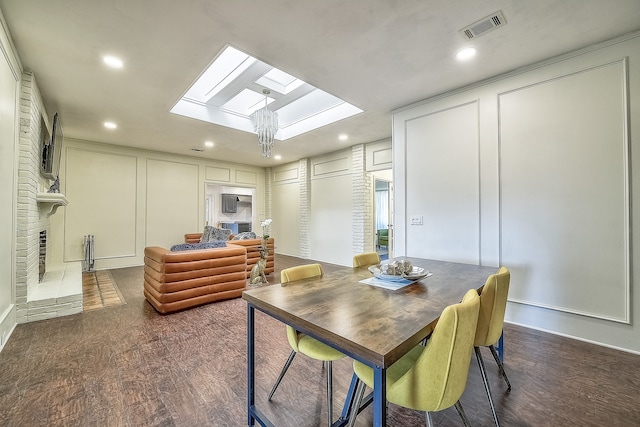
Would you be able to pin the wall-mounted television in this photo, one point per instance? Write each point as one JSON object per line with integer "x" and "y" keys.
{"x": 52, "y": 150}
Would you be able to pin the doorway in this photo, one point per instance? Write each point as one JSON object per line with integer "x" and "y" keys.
{"x": 383, "y": 214}
{"x": 240, "y": 218}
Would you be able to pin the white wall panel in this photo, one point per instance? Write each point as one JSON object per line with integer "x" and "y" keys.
{"x": 283, "y": 175}
{"x": 331, "y": 227}
{"x": 563, "y": 177}
{"x": 330, "y": 166}
{"x": 558, "y": 142}
{"x": 379, "y": 156}
{"x": 331, "y": 208}
{"x": 217, "y": 174}
{"x": 8, "y": 193}
{"x": 285, "y": 207}
{"x": 101, "y": 189}
{"x": 246, "y": 177}
{"x": 173, "y": 192}
{"x": 444, "y": 187}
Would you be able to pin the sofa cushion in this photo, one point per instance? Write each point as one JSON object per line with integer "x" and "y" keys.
{"x": 194, "y": 246}
{"x": 245, "y": 235}
{"x": 211, "y": 234}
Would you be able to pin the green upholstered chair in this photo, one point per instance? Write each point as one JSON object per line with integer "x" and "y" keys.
{"x": 366, "y": 259}
{"x": 433, "y": 377}
{"x": 493, "y": 304}
{"x": 304, "y": 344}
{"x": 383, "y": 237}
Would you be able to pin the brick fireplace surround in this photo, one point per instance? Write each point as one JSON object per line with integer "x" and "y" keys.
{"x": 59, "y": 293}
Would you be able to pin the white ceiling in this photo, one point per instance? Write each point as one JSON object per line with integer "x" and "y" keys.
{"x": 378, "y": 55}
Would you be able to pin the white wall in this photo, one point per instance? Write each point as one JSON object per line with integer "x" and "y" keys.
{"x": 322, "y": 207}
{"x": 9, "y": 95}
{"x": 288, "y": 182}
{"x": 532, "y": 170}
{"x": 331, "y": 208}
{"x": 312, "y": 208}
{"x": 129, "y": 199}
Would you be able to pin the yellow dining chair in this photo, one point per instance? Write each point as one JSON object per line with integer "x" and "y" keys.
{"x": 433, "y": 377}
{"x": 493, "y": 304}
{"x": 304, "y": 344}
{"x": 366, "y": 259}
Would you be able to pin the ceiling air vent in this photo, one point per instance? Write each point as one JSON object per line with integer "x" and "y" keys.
{"x": 484, "y": 25}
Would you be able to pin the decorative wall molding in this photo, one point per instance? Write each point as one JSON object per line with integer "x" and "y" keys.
{"x": 565, "y": 193}
{"x": 289, "y": 174}
{"x": 96, "y": 180}
{"x": 246, "y": 177}
{"x": 443, "y": 182}
{"x": 217, "y": 174}
{"x": 330, "y": 165}
{"x": 379, "y": 155}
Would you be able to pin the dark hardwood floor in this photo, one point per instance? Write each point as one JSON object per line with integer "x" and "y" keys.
{"x": 130, "y": 366}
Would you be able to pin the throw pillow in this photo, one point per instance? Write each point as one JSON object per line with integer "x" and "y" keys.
{"x": 211, "y": 234}
{"x": 194, "y": 246}
{"x": 245, "y": 235}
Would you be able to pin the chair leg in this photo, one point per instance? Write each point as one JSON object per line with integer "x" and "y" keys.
{"x": 329, "y": 393}
{"x": 465, "y": 420}
{"x": 425, "y": 340}
{"x": 284, "y": 370}
{"x": 359, "y": 395}
{"x": 500, "y": 367}
{"x": 483, "y": 372}
{"x": 427, "y": 416}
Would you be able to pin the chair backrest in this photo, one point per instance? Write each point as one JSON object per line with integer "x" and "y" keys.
{"x": 493, "y": 304}
{"x": 368, "y": 258}
{"x": 439, "y": 376}
{"x": 300, "y": 272}
{"x": 291, "y": 274}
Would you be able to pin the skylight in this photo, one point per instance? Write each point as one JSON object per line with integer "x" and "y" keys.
{"x": 279, "y": 81}
{"x": 246, "y": 102}
{"x": 230, "y": 89}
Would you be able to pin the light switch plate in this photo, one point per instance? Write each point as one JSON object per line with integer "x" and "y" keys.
{"x": 416, "y": 220}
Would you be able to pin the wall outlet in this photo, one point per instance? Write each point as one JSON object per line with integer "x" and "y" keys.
{"x": 416, "y": 220}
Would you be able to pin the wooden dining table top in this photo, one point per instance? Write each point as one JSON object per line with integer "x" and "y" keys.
{"x": 372, "y": 324}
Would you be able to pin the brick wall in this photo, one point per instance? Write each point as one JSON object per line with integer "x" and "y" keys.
{"x": 28, "y": 182}
{"x": 363, "y": 209}
{"x": 305, "y": 230}
{"x": 267, "y": 192}
{"x": 29, "y": 223}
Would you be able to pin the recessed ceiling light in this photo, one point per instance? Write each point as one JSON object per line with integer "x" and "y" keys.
{"x": 208, "y": 144}
{"x": 343, "y": 137}
{"x": 112, "y": 61}
{"x": 277, "y": 157}
{"x": 466, "y": 53}
{"x": 110, "y": 125}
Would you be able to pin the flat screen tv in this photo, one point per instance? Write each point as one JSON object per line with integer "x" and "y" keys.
{"x": 52, "y": 150}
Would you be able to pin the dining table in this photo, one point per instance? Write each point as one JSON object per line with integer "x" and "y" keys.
{"x": 372, "y": 324}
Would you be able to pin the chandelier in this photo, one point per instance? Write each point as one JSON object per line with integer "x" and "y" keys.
{"x": 265, "y": 124}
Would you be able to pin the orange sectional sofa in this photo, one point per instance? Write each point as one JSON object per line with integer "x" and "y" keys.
{"x": 252, "y": 250}
{"x": 177, "y": 280}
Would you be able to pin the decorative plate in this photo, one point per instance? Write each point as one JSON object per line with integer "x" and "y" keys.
{"x": 416, "y": 274}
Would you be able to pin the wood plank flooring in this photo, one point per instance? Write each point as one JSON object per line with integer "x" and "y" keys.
{"x": 99, "y": 291}
{"x": 129, "y": 366}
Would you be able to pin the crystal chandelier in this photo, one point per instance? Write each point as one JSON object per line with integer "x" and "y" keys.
{"x": 265, "y": 124}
